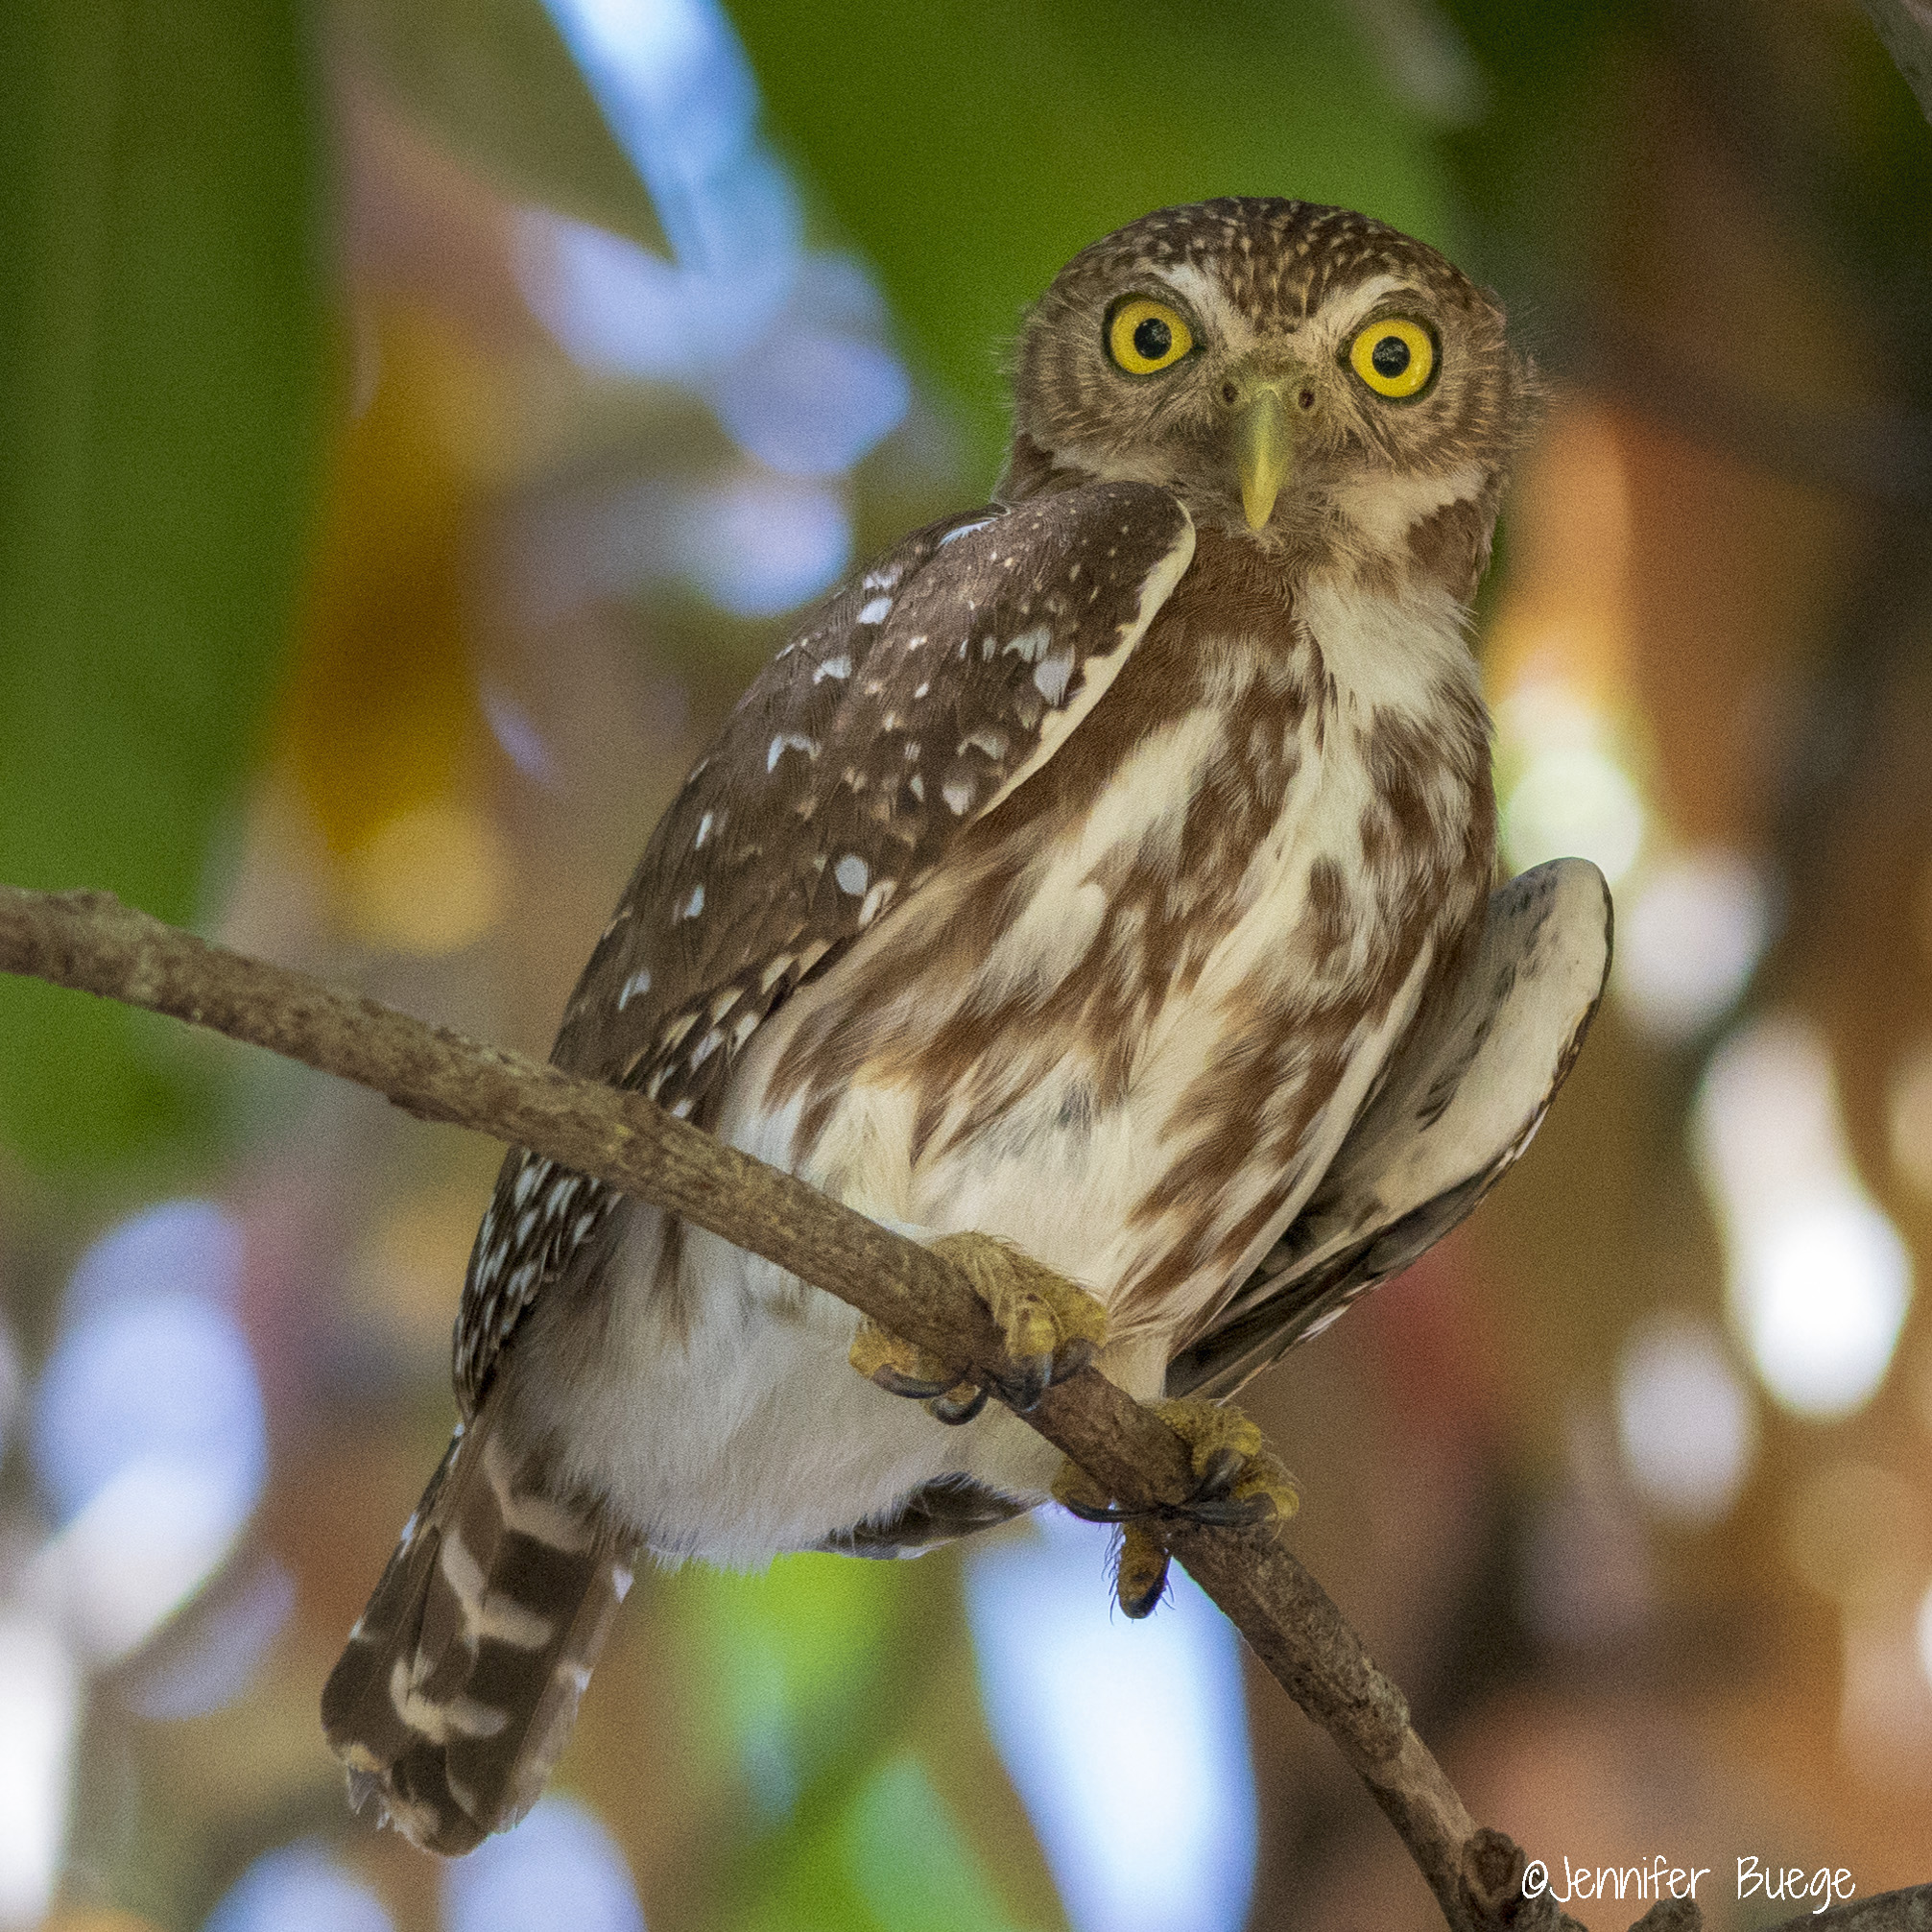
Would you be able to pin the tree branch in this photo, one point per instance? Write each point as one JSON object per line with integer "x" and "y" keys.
{"x": 90, "y": 941}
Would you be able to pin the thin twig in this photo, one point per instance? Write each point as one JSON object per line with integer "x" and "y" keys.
{"x": 90, "y": 941}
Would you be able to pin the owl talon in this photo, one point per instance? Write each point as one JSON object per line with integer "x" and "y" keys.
{"x": 1051, "y": 1329}
{"x": 899, "y": 1368}
{"x": 1238, "y": 1484}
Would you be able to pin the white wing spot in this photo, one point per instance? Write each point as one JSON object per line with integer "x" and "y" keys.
{"x": 957, "y": 795}
{"x": 851, "y": 872}
{"x": 789, "y": 741}
{"x": 682, "y": 1110}
{"x": 916, "y": 786}
{"x": 1031, "y": 645}
{"x": 704, "y": 831}
{"x": 876, "y": 612}
{"x": 694, "y": 904}
{"x": 638, "y": 983}
{"x": 774, "y": 971}
{"x": 706, "y": 1048}
{"x": 914, "y": 643}
{"x": 921, "y": 691}
{"x": 1052, "y": 674}
{"x": 840, "y": 666}
{"x": 965, "y": 530}
{"x": 745, "y": 1026}
{"x": 883, "y": 578}
{"x": 875, "y": 901}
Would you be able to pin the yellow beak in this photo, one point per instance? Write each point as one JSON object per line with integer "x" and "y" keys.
{"x": 1265, "y": 452}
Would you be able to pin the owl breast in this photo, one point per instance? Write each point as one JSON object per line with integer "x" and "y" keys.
{"x": 1125, "y": 1026}
{"x": 1128, "y": 1028}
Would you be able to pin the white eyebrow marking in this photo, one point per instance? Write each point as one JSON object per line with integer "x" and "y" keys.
{"x": 1201, "y": 293}
{"x": 1350, "y": 307}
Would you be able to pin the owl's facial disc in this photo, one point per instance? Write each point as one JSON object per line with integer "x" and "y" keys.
{"x": 1296, "y": 375}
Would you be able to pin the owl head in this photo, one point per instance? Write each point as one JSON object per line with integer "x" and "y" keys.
{"x": 1303, "y": 378}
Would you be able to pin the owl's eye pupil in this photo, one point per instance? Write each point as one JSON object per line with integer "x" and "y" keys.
{"x": 1153, "y": 338}
{"x": 1390, "y": 356}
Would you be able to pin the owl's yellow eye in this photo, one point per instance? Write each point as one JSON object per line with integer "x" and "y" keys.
{"x": 1144, "y": 336}
{"x": 1394, "y": 358}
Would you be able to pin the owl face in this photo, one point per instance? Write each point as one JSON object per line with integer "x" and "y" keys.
{"x": 1276, "y": 365}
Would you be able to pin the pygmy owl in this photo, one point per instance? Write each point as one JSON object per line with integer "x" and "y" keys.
{"x": 1107, "y": 870}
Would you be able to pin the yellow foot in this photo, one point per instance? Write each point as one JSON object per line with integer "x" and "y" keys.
{"x": 1050, "y": 1331}
{"x": 1239, "y": 1484}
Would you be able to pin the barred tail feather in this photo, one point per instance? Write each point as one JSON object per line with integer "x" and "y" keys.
{"x": 460, "y": 1681}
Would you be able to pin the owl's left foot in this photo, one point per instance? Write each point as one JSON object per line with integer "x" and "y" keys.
{"x": 1239, "y": 1485}
{"x": 1049, "y": 1328}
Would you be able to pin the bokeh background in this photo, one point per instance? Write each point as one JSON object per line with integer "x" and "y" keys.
{"x": 417, "y": 420}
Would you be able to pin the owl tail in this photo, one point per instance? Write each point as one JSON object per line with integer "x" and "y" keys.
{"x": 461, "y": 1679}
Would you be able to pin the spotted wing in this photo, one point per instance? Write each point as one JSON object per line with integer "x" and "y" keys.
{"x": 898, "y": 713}
{"x": 1459, "y": 1106}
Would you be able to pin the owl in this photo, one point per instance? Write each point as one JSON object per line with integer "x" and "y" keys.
{"x": 1106, "y": 870}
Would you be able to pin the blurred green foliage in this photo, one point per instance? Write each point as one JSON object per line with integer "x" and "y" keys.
{"x": 163, "y": 358}
{"x": 971, "y": 150}
{"x": 815, "y": 1669}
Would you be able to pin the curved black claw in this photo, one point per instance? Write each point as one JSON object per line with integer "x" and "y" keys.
{"x": 1227, "y": 1512}
{"x": 953, "y": 1408}
{"x": 894, "y": 1382}
{"x": 1100, "y": 1512}
{"x": 1023, "y": 1389}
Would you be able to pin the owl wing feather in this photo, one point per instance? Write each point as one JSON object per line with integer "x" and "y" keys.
{"x": 909, "y": 704}
{"x": 1460, "y": 1103}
